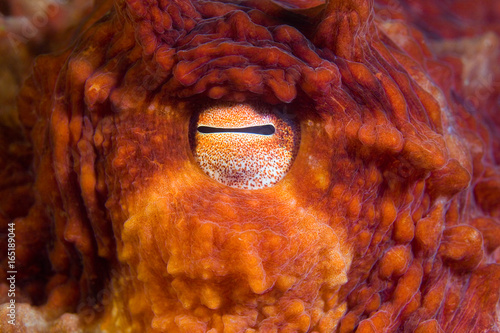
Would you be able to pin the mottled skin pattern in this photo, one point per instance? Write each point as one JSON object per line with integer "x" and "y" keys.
{"x": 387, "y": 221}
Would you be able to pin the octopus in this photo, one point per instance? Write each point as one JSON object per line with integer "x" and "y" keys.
{"x": 257, "y": 166}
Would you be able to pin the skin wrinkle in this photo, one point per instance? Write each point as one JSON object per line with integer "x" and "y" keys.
{"x": 387, "y": 219}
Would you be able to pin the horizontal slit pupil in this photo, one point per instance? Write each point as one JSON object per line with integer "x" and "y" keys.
{"x": 262, "y": 130}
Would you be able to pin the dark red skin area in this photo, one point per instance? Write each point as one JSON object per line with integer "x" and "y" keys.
{"x": 398, "y": 166}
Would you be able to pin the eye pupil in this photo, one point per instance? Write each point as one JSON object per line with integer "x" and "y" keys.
{"x": 258, "y": 130}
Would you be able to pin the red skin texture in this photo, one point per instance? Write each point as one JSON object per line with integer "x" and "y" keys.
{"x": 388, "y": 220}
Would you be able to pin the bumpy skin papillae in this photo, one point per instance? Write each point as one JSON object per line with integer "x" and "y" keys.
{"x": 245, "y": 159}
{"x": 386, "y": 222}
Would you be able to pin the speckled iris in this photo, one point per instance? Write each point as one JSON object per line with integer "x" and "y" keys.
{"x": 245, "y": 146}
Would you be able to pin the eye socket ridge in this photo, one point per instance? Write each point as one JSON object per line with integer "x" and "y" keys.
{"x": 258, "y": 130}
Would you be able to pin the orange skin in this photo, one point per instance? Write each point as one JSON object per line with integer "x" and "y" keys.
{"x": 386, "y": 221}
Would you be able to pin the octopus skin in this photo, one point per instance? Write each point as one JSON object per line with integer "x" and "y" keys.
{"x": 259, "y": 166}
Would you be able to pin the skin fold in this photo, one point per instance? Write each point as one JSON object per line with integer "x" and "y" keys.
{"x": 381, "y": 205}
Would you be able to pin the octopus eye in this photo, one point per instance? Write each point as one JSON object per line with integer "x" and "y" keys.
{"x": 244, "y": 146}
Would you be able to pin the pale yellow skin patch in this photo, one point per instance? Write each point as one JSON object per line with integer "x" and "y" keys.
{"x": 229, "y": 147}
